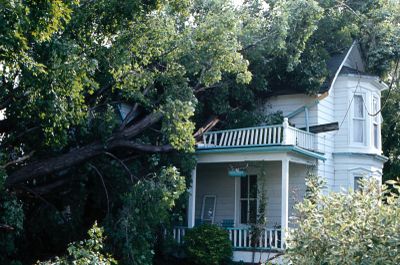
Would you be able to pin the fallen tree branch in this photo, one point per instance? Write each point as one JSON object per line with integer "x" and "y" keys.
{"x": 104, "y": 186}
{"x": 123, "y": 165}
{"x": 45, "y": 189}
{"x": 6, "y": 227}
{"x": 80, "y": 155}
{"x": 18, "y": 160}
{"x": 208, "y": 126}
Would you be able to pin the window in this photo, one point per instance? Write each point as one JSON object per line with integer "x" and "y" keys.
{"x": 248, "y": 199}
{"x": 358, "y": 119}
{"x": 375, "y": 122}
{"x": 208, "y": 209}
{"x": 357, "y": 184}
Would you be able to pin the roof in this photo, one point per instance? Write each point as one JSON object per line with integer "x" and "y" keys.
{"x": 348, "y": 61}
{"x": 333, "y": 65}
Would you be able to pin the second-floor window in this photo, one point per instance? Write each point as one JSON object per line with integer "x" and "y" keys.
{"x": 375, "y": 121}
{"x": 358, "y": 119}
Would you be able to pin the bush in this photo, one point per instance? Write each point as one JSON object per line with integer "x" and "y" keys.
{"x": 208, "y": 244}
{"x": 359, "y": 227}
{"x": 87, "y": 252}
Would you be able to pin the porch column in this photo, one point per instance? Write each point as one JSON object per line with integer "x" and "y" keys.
{"x": 285, "y": 200}
{"x": 192, "y": 200}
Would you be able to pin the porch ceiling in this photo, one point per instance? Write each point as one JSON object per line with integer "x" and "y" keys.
{"x": 259, "y": 153}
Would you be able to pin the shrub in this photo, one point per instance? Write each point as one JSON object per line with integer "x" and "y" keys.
{"x": 87, "y": 252}
{"x": 208, "y": 244}
{"x": 359, "y": 227}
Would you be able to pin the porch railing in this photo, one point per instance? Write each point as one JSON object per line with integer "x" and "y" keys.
{"x": 282, "y": 134}
{"x": 178, "y": 233}
{"x": 241, "y": 238}
{"x": 301, "y": 138}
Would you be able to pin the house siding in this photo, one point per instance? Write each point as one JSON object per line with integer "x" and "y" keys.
{"x": 325, "y": 141}
{"x": 335, "y": 107}
{"x": 289, "y": 103}
{"x": 344, "y": 90}
{"x": 213, "y": 179}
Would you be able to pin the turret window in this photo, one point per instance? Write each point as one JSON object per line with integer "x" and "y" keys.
{"x": 375, "y": 122}
{"x": 358, "y": 119}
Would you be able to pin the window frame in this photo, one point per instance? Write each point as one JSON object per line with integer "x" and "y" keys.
{"x": 362, "y": 119}
{"x": 376, "y": 139}
{"x": 203, "y": 206}
{"x": 356, "y": 179}
{"x": 248, "y": 199}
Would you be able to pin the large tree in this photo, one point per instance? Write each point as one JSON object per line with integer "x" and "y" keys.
{"x": 95, "y": 92}
{"x": 101, "y": 99}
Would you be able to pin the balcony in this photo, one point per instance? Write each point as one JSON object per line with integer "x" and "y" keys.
{"x": 272, "y": 135}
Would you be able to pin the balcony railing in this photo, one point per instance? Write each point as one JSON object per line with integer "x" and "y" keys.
{"x": 241, "y": 238}
{"x": 282, "y": 134}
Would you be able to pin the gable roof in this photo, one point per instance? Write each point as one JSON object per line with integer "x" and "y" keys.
{"x": 333, "y": 65}
{"x": 348, "y": 62}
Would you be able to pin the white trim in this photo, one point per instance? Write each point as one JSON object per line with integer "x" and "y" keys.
{"x": 364, "y": 120}
{"x": 248, "y": 199}
{"x": 375, "y": 97}
{"x": 341, "y": 65}
{"x": 237, "y": 202}
{"x": 202, "y": 207}
{"x": 247, "y": 256}
{"x": 192, "y": 200}
{"x": 285, "y": 201}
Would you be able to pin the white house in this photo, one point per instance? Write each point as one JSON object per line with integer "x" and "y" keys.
{"x": 233, "y": 165}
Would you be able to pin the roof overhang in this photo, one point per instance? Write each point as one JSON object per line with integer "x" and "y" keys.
{"x": 378, "y": 157}
{"x": 260, "y": 150}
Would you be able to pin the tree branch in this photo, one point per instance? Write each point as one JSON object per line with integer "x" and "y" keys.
{"x": 123, "y": 165}
{"x": 133, "y": 111}
{"x": 41, "y": 190}
{"x": 80, "y": 155}
{"x": 6, "y": 227}
{"x": 208, "y": 126}
{"x": 18, "y": 160}
{"x": 104, "y": 186}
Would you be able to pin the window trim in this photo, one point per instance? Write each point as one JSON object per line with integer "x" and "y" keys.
{"x": 355, "y": 182}
{"x": 248, "y": 199}
{"x": 203, "y": 205}
{"x": 376, "y": 121}
{"x": 363, "y": 119}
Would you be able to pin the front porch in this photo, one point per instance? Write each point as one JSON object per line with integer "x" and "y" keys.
{"x": 275, "y": 161}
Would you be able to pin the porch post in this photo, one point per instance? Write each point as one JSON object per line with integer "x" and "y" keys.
{"x": 285, "y": 200}
{"x": 192, "y": 200}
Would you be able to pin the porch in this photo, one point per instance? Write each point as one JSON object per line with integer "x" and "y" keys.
{"x": 234, "y": 167}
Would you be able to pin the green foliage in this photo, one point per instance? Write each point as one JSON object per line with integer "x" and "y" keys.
{"x": 67, "y": 65}
{"x": 208, "y": 244}
{"x": 85, "y": 252}
{"x": 391, "y": 134}
{"x": 177, "y": 125}
{"x": 11, "y": 223}
{"x": 11, "y": 220}
{"x": 347, "y": 228}
{"x": 144, "y": 209}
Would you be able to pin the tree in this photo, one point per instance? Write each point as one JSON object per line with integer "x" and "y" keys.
{"x": 99, "y": 95}
{"x": 68, "y": 68}
{"x": 354, "y": 228}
